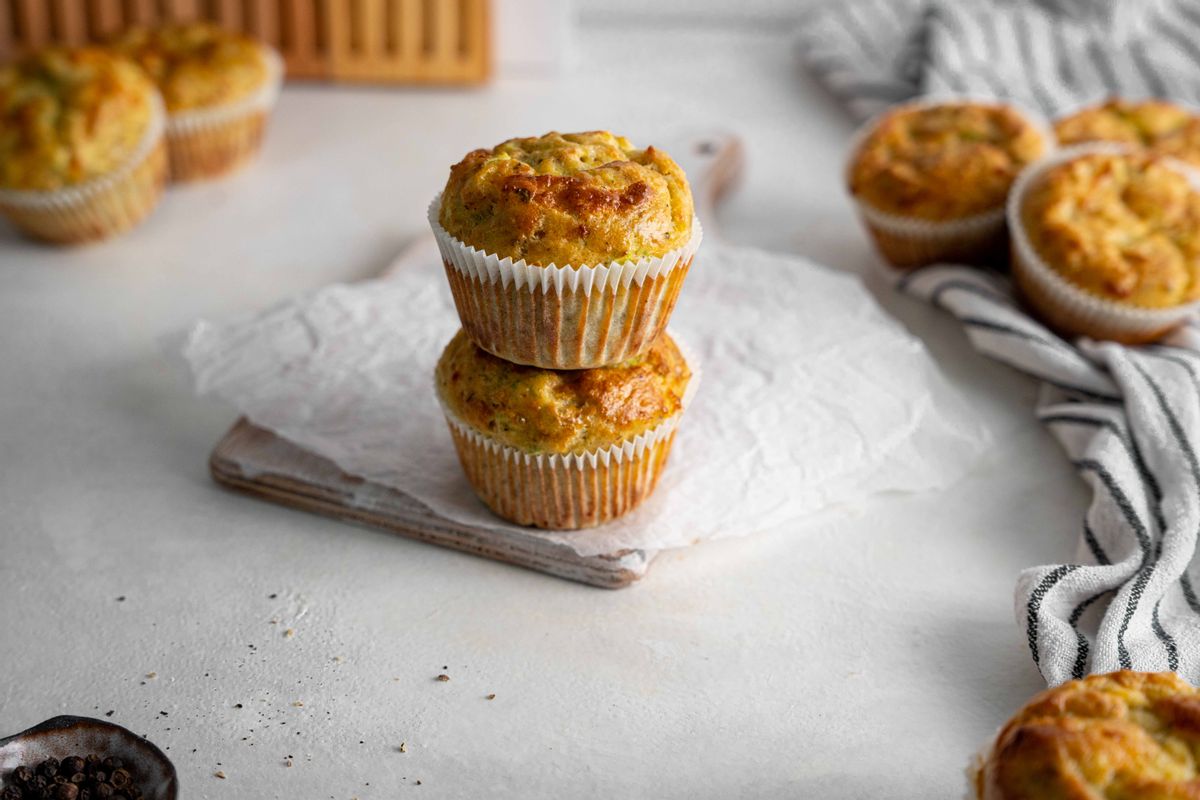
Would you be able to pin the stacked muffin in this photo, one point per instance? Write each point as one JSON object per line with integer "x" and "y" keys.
{"x": 565, "y": 255}
{"x": 85, "y": 134}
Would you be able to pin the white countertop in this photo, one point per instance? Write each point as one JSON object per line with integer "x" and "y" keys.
{"x": 728, "y": 672}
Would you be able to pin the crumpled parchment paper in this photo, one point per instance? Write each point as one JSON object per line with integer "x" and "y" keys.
{"x": 811, "y": 397}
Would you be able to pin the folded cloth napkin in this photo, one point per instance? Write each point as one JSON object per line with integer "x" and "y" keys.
{"x": 1129, "y": 420}
{"x": 1048, "y": 54}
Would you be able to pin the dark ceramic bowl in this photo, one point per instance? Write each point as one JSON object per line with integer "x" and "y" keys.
{"x": 77, "y": 736}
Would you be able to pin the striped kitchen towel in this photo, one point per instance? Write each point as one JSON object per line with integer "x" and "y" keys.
{"x": 1048, "y": 54}
{"x": 1129, "y": 420}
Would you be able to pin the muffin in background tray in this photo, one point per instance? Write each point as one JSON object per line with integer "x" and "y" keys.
{"x": 219, "y": 88}
{"x": 566, "y": 251}
{"x": 1159, "y": 126}
{"x": 1107, "y": 242}
{"x": 930, "y": 178}
{"x": 81, "y": 144}
{"x": 1121, "y": 735}
{"x": 563, "y": 449}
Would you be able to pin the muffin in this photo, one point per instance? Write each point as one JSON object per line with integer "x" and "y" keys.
{"x": 930, "y": 179}
{"x": 81, "y": 145}
{"x": 1107, "y": 242}
{"x": 566, "y": 251}
{"x": 563, "y": 449}
{"x": 1121, "y": 735}
{"x": 218, "y": 87}
{"x": 1155, "y": 125}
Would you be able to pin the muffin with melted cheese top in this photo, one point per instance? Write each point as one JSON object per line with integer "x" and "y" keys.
{"x": 1124, "y": 227}
{"x": 85, "y": 126}
{"x": 1159, "y": 126}
{"x": 931, "y": 180}
{"x": 1118, "y": 736}
{"x": 1120, "y": 227}
{"x": 218, "y": 87}
{"x": 566, "y": 251}
{"x": 578, "y": 198}
{"x": 68, "y": 116}
{"x": 604, "y": 434}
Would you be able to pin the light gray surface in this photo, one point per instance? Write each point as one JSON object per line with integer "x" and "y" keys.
{"x": 728, "y": 672}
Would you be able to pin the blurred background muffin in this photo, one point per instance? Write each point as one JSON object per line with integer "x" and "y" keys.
{"x": 1109, "y": 243}
{"x": 562, "y": 449}
{"x": 930, "y": 179}
{"x": 81, "y": 152}
{"x": 1122, "y": 735}
{"x": 218, "y": 87}
{"x": 566, "y": 251}
{"x": 1157, "y": 125}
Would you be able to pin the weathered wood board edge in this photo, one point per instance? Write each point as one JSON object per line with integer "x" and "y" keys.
{"x": 284, "y": 473}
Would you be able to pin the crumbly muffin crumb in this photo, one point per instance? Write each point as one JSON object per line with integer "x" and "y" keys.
{"x": 561, "y": 411}
{"x": 1125, "y": 227}
{"x": 578, "y": 198}
{"x": 943, "y": 162}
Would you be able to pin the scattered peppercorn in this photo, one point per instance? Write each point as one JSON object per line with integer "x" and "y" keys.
{"x": 443, "y": 677}
{"x": 87, "y": 777}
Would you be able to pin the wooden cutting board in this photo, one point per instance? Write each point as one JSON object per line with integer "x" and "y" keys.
{"x": 255, "y": 461}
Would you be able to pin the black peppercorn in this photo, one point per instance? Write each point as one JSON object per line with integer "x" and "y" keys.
{"x": 12, "y": 793}
{"x": 49, "y": 767}
{"x": 103, "y": 790}
{"x": 22, "y": 774}
{"x": 66, "y": 791}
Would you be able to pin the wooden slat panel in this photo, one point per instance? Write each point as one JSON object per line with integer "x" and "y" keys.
{"x": 105, "y": 17}
{"x": 8, "y": 39}
{"x": 380, "y": 40}
{"x": 445, "y": 34}
{"x": 184, "y": 10}
{"x": 373, "y": 34}
{"x": 141, "y": 12}
{"x": 69, "y": 22}
{"x": 264, "y": 20}
{"x": 35, "y": 22}
{"x": 408, "y": 33}
{"x": 228, "y": 14}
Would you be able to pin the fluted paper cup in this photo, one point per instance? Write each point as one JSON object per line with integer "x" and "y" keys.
{"x": 910, "y": 242}
{"x": 1065, "y": 306}
{"x": 571, "y": 491}
{"x": 209, "y": 142}
{"x": 103, "y": 206}
{"x": 568, "y": 317}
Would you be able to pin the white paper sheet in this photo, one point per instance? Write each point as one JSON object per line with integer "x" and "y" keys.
{"x": 811, "y": 396}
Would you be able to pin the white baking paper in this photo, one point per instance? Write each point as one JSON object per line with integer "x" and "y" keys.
{"x": 811, "y": 397}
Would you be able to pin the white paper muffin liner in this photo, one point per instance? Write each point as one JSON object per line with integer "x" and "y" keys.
{"x": 562, "y": 317}
{"x": 102, "y": 206}
{"x": 207, "y": 142}
{"x": 911, "y": 242}
{"x": 574, "y": 490}
{"x": 1061, "y": 303}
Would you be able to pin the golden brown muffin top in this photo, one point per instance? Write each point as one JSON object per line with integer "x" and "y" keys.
{"x": 576, "y": 198}
{"x": 1122, "y": 736}
{"x": 70, "y": 115}
{"x": 943, "y": 162}
{"x": 1125, "y": 227}
{"x": 561, "y": 411}
{"x": 197, "y": 64}
{"x": 1161, "y": 127}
